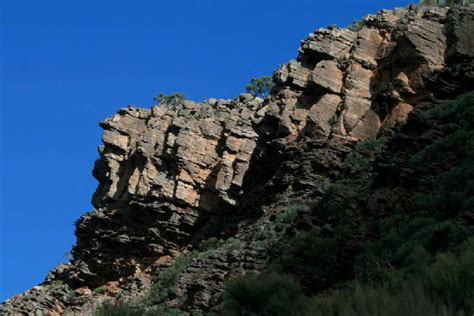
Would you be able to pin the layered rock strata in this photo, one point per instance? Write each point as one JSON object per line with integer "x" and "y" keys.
{"x": 171, "y": 176}
{"x": 353, "y": 83}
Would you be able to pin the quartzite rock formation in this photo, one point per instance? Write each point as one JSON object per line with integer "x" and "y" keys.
{"x": 173, "y": 176}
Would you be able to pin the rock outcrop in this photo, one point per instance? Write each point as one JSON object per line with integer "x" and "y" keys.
{"x": 164, "y": 172}
{"x": 365, "y": 80}
{"x": 173, "y": 176}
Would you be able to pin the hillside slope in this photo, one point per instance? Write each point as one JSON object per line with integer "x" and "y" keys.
{"x": 353, "y": 164}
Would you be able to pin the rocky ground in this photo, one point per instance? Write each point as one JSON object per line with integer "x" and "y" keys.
{"x": 227, "y": 184}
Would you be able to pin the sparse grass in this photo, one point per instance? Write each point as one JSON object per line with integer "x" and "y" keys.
{"x": 357, "y": 25}
{"x": 152, "y": 304}
{"x": 164, "y": 280}
{"x": 119, "y": 309}
{"x": 212, "y": 245}
{"x": 128, "y": 309}
{"x": 208, "y": 244}
{"x": 54, "y": 284}
{"x": 261, "y": 244}
{"x": 167, "y": 277}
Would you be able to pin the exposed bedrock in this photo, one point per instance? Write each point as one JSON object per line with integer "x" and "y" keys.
{"x": 169, "y": 175}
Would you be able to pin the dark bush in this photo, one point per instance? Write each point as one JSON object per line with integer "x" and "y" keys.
{"x": 451, "y": 278}
{"x": 265, "y": 294}
{"x": 361, "y": 158}
{"x": 119, "y": 309}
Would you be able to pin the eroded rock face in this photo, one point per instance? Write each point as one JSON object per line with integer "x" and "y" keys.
{"x": 182, "y": 155}
{"x": 376, "y": 71}
{"x": 168, "y": 175}
{"x": 163, "y": 173}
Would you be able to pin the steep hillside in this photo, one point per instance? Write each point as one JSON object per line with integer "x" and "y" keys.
{"x": 354, "y": 173}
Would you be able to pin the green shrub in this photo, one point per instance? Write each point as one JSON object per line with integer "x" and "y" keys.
{"x": 290, "y": 214}
{"x": 119, "y": 309}
{"x": 357, "y": 161}
{"x": 361, "y": 158}
{"x": 100, "y": 290}
{"x": 318, "y": 261}
{"x": 369, "y": 145}
{"x": 401, "y": 236}
{"x": 459, "y": 112}
{"x": 54, "y": 284}
{"x": 362, "y": 300}
{"x": 209, "y": 244}
{"x": 379, "y": 87}
{"x": 266, "y": 294}
{"x": 451, "y": 278}
{"x": 152, "y": 304}
{"x": 357, "y": 25}
{"x": 261, "y": 244}
{"x": 333, "y": 120}
{"x": 446, "y": 287}
{"x": 169, "y": 99}
{"x": 443, "y": 289}
{"x": 127, "y": 309}
{"x": 454, "y": 191}
{"x": 166, "y": 278}
{"x": 231, "y": 244}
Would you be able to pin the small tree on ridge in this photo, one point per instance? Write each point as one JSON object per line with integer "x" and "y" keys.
{"x": 260, "y": 87}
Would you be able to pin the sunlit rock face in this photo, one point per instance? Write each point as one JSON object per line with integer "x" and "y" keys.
{"x": 168, "y": 175}
{"x": 355, "y": 83}
{"x": 162, "y": 174}
{"x": 165, "y": 172}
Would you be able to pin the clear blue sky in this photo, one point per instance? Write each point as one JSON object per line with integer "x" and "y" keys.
{"x": 67, "y": 65}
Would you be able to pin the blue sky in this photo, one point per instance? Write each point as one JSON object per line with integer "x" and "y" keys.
{"x": 67, "y": 65}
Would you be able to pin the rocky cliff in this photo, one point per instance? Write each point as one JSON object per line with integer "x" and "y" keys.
{"x": 228, "y": 184}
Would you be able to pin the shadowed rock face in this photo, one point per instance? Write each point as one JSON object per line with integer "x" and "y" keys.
{"x": 168, "y": 175}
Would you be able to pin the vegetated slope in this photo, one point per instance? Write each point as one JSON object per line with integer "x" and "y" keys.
{"x": 348, "y": 190}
